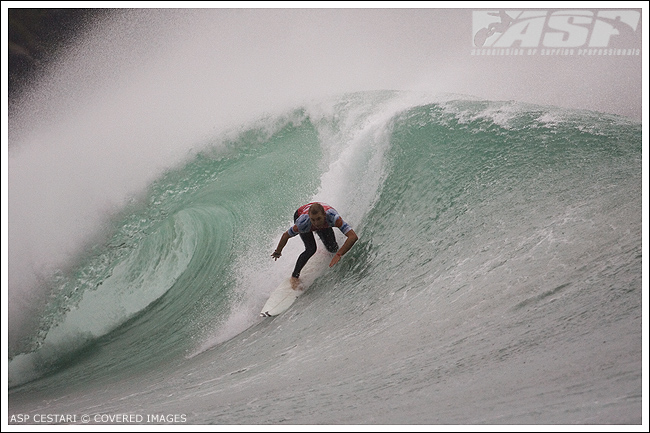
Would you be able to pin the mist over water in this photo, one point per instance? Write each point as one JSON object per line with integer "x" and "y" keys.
{"x": 144, "y": 97}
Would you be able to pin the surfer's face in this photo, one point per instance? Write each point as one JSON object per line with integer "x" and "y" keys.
{"x": 317, "y": 220}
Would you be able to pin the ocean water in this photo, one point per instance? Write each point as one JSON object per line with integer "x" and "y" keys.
{"x": 497, "y": 278}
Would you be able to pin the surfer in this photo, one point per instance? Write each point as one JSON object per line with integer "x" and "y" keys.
{"x": 318, "y": 217}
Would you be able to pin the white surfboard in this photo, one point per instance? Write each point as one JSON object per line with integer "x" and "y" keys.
{"x": 284, "y": 295}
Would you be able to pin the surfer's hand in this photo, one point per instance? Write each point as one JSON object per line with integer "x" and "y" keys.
{"x": 335, "y": 259}
{"x": 276, "y": 255}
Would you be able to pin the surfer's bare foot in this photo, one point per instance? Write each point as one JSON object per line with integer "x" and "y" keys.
{"x": 295, "y": 283}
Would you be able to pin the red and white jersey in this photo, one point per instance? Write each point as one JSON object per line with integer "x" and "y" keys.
{"x": 303, "y": 223}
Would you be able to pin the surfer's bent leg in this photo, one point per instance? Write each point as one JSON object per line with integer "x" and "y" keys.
{"x": 329, "y": 240}
{"x": 310, "y": 249}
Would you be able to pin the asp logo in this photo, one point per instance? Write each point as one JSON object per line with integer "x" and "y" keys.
{"x": 555, "y": 29}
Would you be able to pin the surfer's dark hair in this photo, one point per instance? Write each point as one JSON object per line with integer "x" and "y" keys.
{"x": 316, "y": 208}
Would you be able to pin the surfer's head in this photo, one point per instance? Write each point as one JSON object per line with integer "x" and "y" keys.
{"x": 317, "y": 215}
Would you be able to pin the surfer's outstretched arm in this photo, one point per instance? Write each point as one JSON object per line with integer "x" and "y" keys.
{"x": 283, "y": 241}
{"x": 352, "y": 238}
